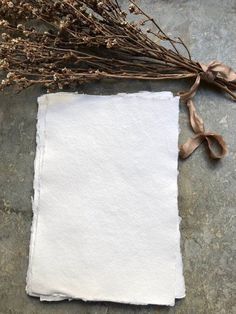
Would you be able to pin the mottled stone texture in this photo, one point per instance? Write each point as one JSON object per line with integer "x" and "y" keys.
{"x": 207, "y": 189}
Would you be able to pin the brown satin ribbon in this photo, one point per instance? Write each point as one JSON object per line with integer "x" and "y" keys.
{"x": 209, "y": 72}
{"x": 217, "y": 69}
{"x": 211, "y": 138}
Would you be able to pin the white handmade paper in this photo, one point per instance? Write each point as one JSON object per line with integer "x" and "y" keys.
{"x": 106, "y": 223}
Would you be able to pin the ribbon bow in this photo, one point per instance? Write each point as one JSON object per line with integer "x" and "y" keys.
{"x": 209, "y": 73}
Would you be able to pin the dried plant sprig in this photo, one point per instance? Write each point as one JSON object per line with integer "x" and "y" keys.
{"x": 79, "y": 41}
{"x": 59, "y": 43}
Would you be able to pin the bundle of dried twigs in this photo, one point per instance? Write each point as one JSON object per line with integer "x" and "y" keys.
{"x": 59, "y": 43}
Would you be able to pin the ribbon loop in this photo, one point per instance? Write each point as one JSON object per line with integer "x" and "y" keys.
{"x": 193, "y": 143}
{"x": 212, "y": 138}
{"x": 216, "y": 68}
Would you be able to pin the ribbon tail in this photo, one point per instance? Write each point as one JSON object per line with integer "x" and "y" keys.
{"x": 196, "y": 121}
{"x": 190, "y": 146}
{"x": 191, "y": 93}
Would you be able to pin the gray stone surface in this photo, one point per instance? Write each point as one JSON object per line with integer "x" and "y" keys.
{"x": 207, "y": 189}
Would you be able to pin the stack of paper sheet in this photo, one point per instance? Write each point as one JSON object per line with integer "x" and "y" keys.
{"x": 106, "y": 224}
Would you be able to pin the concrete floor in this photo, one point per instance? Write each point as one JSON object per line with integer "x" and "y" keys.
{"x": 207, "y": 189}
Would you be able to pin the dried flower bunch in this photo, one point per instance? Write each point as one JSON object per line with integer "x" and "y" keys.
{"x": 60, "y": 43}
{"x": 76, "y": 41}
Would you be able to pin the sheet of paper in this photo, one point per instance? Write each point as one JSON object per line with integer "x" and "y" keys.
{"x": 106, "y": 225}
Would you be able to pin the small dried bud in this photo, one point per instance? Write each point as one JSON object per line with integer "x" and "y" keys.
{"x": 143, "y": 22}
{"x": 20, "y": 26}
{"x": 10, "y": 75}
{"x": 133, "y": 9}
{"x": 15, "y": 40}
{"x": 64, "y": 70}
{"x": 27, "y": 33}
{"x": 10, "y": 4}
{"x": 35, "y": 11}
{"x": 85, "y": 39}
{"x": 5, "y": 36}
{"x": 109, "y": 43}
{"x": 60, "y": 86}
{"x": 4, "y": 23}
{"x": 114, "y": 42}
{"x": 4, "y": 64}
{"x": 56, "y": 77}
{"x": 4, "y": 82}
{"x": 100, "y": 4}
{"x": 82, "y": 9}
{"x": 62, "y": 24}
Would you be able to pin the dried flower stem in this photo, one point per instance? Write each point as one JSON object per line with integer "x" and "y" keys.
{"x": 69, "y": 42}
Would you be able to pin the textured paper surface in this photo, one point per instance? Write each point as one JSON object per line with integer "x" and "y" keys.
{"x": 106, "y": 223}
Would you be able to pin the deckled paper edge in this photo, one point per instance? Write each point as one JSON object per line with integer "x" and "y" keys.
{"x": 40, "y": 141}
{"x": 180, "y": 292}
{"x": 38, "y": 163}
